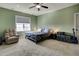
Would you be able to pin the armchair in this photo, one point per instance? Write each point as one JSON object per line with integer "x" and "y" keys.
{"x": 11, "y": 37}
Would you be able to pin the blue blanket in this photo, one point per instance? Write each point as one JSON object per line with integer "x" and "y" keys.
{"x": 36, "y": 36}
{"x": 34, "y": 33}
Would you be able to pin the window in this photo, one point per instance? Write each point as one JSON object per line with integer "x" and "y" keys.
{"x": 23, "y": 27}
{"x": 27, "y": 27}
{"x": 19, "y": 26}
{"x": 23, "y": 23}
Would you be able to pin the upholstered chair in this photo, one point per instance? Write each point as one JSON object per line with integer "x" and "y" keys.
{"x": 11, "y": 37}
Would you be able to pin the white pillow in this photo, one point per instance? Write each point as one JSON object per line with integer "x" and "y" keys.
{"x": 45, "y": 30}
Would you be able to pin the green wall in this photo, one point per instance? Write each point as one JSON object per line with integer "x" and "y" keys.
{"x": 62, "y": 19}
{"x": 7, "y": 19}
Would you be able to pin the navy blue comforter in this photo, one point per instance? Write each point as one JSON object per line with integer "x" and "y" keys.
{"x": 36, "y": 36}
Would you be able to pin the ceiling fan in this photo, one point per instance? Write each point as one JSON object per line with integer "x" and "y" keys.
{"x": 38, "y": 6}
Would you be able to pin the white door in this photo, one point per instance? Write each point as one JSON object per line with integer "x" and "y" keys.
{"x": 76, "y": 24}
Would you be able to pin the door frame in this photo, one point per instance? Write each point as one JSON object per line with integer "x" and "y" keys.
{"x": 75, "y": 23}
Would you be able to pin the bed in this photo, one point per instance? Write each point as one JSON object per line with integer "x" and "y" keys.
{"x": 37, "y": 36}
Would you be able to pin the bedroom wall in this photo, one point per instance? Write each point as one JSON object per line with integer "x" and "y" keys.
{"x": 62, "y": 19}
{"x": 7, "y": 19}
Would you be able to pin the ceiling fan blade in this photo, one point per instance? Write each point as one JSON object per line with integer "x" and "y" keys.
{"x": 36, "y": 3}
{"x": 32, "y": 7}
{"x": 38, "y": 9}
{"x": 44, "y": 6}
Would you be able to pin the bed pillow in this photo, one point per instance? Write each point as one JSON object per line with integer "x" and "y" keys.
{"x": 45, "y": 30}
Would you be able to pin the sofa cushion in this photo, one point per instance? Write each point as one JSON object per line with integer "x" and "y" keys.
{"x": 66, "y": 37}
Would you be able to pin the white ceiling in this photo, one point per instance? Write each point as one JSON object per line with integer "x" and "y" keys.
{"x": 24, "y": 7}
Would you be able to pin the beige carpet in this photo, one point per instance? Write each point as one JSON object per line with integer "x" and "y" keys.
{"x": 46, "y": 48}
{"x": 63, "y": 47}
{"x": 26, "y": 47}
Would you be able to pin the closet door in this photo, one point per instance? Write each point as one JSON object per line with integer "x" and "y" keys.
{"x": 77, "y": 25}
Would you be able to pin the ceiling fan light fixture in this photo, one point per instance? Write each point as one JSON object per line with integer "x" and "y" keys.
{"x": 38, "y": 6}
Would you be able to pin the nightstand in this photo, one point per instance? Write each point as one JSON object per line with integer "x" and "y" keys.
{"x": 53, "y": 36}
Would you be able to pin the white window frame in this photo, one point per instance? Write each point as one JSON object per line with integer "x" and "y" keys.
{"x": 23, "y": 16}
